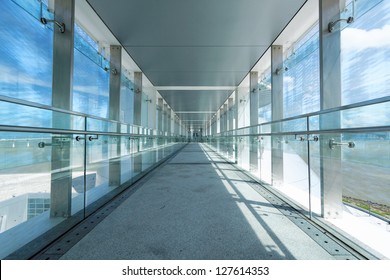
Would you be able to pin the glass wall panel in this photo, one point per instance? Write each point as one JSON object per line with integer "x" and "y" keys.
{"x": 26, "y": 52}
{"x": 127, "y": 100}
{"x": 144, "y": 110}
{"x": 367, "y": 116}
{"x": 301, "y": 78}
{"x": 20, "y": 115}
{"x": 90, "y": 77}
{"x": 365, "y": 52}
{"x": 265, "y": 87}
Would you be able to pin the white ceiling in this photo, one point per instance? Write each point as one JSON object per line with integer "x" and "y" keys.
{"x": 196, "y": 43}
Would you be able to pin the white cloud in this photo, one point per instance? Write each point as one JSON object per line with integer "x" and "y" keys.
{"x": 359, "y": 39}
{"x": 20, "y": 78}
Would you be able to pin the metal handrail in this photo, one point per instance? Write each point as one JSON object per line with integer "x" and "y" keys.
{"x": 69, "y": 112}
{"x": 322, "y": 112}
{"x": 312, "y": 114}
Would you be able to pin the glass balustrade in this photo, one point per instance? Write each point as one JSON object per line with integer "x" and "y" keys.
{"x": 333, "y": 165}
{"x": 58, "y": 167}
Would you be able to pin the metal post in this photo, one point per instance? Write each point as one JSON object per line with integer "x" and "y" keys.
{"x": 160, "y": 114}
{"x": 221, "y": 120}
{"x": 166, "y": 119}
{"x": 330, "y": 97}
{"x": 137, "y": 162}
{"x": 235, "y": 111}
{"x": 169, "y": 121}
{"x": 225, "y": 129}
{"x": 137, "y": 98}
{"x": 230, "y": 117}
{"x": 63, "y": 48}
{"x": 254, "y": 119}
{"x": 230, "y": 113}
{"x": 114, "y": 114}
{"x": 277, "y": 113}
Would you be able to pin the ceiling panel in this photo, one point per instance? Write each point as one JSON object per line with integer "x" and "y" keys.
{"x": 196, "y": 42}
{"x": 205, "y": 100}
{"x": 196, "y": 58}
{"x": 200, "y": 118}
{"x": 189, "y": 78}
{"x": 196, "y": 22}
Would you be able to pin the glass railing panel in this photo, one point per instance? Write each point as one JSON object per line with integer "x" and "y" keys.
{"x": 98, "y": 166}
{"x": 243, "y": 146}
{"x": 291, "y": 168}
{"x": 79, "y": 185}
{"x": 148, "y": 154}
{"x": 222, "y": 145}
{"x": 265, "y": 159}
{"x": 40, "y": 174}
{"x": 114, "y": 155}
{"x": 25, "y": 171}
{"x": 254, "y": 153}
{"x": 160, "y": 148}
{"x": 365, "y": 173}
{"x": 125, "y": 160}
{"x": 136, "y": 146}
{"x": 315, "y": 173}
{"x": 230, "y": 146}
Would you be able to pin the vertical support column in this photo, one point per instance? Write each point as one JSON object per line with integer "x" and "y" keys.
{"x": 230, "y": 113}
{"x": 254, "y": 119}
{"x": 330, "y": 97}
{"x": 277, "y": 113}
{"x": 164, "y": 118}
{"x": 114, "y": 114}
{"x": 225, "y": 117}
{"x": 166, "y": 122}
{"x": 219, "y": 128}
{"x": 221, "y": 120}
{"x": 230, "y": 117}
{"x": 160, "y": 114}
{"x": 225, "y": 129}
{"x": 169, "y": 118}
{"x": 63, "y": 48}
{"x": 115, "y": 82}
{"x": 137, "y": 162}
{"x": 137, "y": 98}
{"x": 236, "y": 124}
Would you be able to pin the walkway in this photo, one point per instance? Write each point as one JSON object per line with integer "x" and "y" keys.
{"x": 197, "y": 206}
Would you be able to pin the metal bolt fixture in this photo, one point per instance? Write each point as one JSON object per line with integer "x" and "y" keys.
{"x": 61, "y": 25}
{"x": 333, "y": 144}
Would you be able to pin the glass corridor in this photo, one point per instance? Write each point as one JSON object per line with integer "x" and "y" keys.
{"x": 59, "y": 165}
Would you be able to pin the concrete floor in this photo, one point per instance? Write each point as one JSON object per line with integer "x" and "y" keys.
{"x": 196, "y": 206}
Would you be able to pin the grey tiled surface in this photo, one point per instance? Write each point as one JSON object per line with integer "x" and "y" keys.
{"x": 194, "y": 208}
